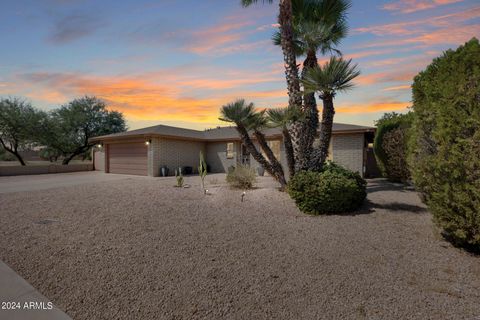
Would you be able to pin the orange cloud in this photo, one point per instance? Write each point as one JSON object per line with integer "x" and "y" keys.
{"x": 409, "y": 6}
{"x": 395, "y": 88}
{"x": 373, "y": 107}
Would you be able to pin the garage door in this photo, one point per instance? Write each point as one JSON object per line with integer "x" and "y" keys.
{"x": 128, "y": 158}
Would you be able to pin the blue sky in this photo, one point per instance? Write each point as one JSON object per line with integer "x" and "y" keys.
{"x": 177, "y": 62}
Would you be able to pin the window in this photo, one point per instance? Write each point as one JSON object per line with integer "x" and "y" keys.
{"x": 230, "y": 150}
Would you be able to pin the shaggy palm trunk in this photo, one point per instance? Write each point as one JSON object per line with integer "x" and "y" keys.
{"x": 325, "y": 132}
{"x": 258, "y": 156}
{"x": 271, "y": 157}
{"x": 287, "y": 142}
{"x": 310, "y": 124}
{"x": 291, "y": 71}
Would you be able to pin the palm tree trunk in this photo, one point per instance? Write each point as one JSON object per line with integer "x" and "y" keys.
{"x": 291, "y": 72}
{"x": 271, "y": 157}
{"x": 325, "y": 132}
{"x": 287, "y": 142}
{"x": 258, "y": 156}
{"x": 310, "y": 125}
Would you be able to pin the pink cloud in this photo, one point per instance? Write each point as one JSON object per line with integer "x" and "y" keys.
{"x": 409, "y": 6}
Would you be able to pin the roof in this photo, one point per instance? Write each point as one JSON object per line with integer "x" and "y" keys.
{"x": 216, "y": 134}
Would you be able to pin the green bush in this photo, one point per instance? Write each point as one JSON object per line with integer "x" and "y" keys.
{"x": 390, "y": 145}
{"x": 445, "y": 142}
{"x": 241, "y": 177}
{"x": 335, "y": 190}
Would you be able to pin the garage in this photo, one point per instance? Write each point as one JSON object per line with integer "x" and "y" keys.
{"x": 128, "y": 158}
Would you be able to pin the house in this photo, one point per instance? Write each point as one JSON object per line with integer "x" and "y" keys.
{"x": 145, "y": 151}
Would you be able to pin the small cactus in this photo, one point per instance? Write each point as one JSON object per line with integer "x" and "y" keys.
{"x": 179, "y": 176}
{"x": 202, "y": 171}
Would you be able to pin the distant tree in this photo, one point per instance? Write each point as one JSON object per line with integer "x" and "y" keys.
{"x": 19, "y": 122}
{"x": 71, "y": 126}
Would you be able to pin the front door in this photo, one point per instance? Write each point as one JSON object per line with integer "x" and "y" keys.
{"x": 245, "y": 156}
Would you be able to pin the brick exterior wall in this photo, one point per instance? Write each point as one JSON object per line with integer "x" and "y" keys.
{"x": 173, "y": 154}
{"x": 348, "y": 151}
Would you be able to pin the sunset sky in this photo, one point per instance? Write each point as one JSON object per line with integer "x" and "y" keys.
{"x": 177, "y": 62}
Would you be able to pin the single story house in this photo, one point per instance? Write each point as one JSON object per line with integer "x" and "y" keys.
{"x": 145, "y": 151}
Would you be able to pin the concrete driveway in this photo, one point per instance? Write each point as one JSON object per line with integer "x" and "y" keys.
{"x": 49, "y": 181}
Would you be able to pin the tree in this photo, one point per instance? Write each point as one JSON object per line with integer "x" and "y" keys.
{"x": 19, "y": 122}
{"x": 282, "y": 118}
{"x": 445, "y": 142}
{"x": 245, "y": 119}
{"x": 285, "y": 20}
{"x": 390, "y": 145}
{"x": 318, "y": 26}
{"x": 334, "y": 76}
{"x": 71, "y": 126}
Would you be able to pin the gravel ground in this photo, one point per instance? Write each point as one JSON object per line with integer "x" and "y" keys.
{"x": 141, "y": 249}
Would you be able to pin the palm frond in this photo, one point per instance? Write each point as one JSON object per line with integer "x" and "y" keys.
{"x": 334, "y": 76}
{"x": 237, "y": 112}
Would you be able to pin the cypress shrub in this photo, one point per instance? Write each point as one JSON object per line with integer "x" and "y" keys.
{"x": 445, "y": 142}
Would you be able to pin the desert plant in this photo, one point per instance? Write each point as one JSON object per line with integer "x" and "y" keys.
{"x": 202, "y": 170}
{"x": 445, "y": 142}
{"x": 179, "y": 177}
{"x": 335, "y": 190}
{"x": 242, "y": 177}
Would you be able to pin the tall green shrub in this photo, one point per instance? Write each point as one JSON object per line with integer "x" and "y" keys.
{"x": 445, "y": 142}
{"x": 390, "y": 145}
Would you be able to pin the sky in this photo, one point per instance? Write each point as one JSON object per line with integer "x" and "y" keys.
{"x": 177, "y": 62}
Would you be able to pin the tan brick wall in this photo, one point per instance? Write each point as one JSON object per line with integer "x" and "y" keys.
{"x": 348, "y": 151}
{"x": 173, "y": 154}
{"x": 217, "y": 156}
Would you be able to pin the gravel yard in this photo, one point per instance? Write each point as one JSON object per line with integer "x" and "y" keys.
{"x": 138, "y": 248}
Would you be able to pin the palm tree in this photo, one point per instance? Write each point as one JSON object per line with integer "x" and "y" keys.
{"x": 245, "y": 119}
{"x": 285, "y": 19}
{"x": 327, "y": 80}
{"x": 318, "y": 26}
{"x": 282, "y": 118}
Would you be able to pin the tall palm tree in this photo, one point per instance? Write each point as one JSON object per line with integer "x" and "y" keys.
{"x": 319, "y": 26}
{"x": 282, "y": 118}
{"x": 285, "y": 20}
{"x": 334, "y": 76}
{"x": 246, "y": 119}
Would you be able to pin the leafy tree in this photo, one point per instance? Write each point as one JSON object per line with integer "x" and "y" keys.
{"x": 390, "y": 145}
{"x": 334, "y": 76}
{"x": 247, "y": 119}
{"x": 70, "y": 127}
{"x": 19, "y": 122}
{"x": 445, "y": 141}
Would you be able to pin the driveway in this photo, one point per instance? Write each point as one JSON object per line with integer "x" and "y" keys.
{"x": 139, "y": 248}
{"x": 49, "y": 181}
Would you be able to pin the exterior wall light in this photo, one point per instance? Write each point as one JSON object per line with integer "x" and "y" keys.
{"x": 147, "y": 142}
{"x": 99, "y": 146}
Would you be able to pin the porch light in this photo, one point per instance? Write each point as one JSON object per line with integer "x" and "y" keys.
{"x": 99, "y": 145}
{"x": 147, "y": 142}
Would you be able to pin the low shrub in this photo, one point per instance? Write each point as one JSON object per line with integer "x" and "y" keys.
{"x": 335, "y": 190}
{"x": 241, "y": 177}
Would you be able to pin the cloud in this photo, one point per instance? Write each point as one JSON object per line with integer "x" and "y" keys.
{"x": 369, "y": 107}
{"x": 398, "y": 88}
{"x": 409, "y": 6}
{"x": 73, "y": 27}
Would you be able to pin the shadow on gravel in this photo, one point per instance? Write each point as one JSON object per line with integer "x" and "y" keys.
{"x": 398, "y": 206}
